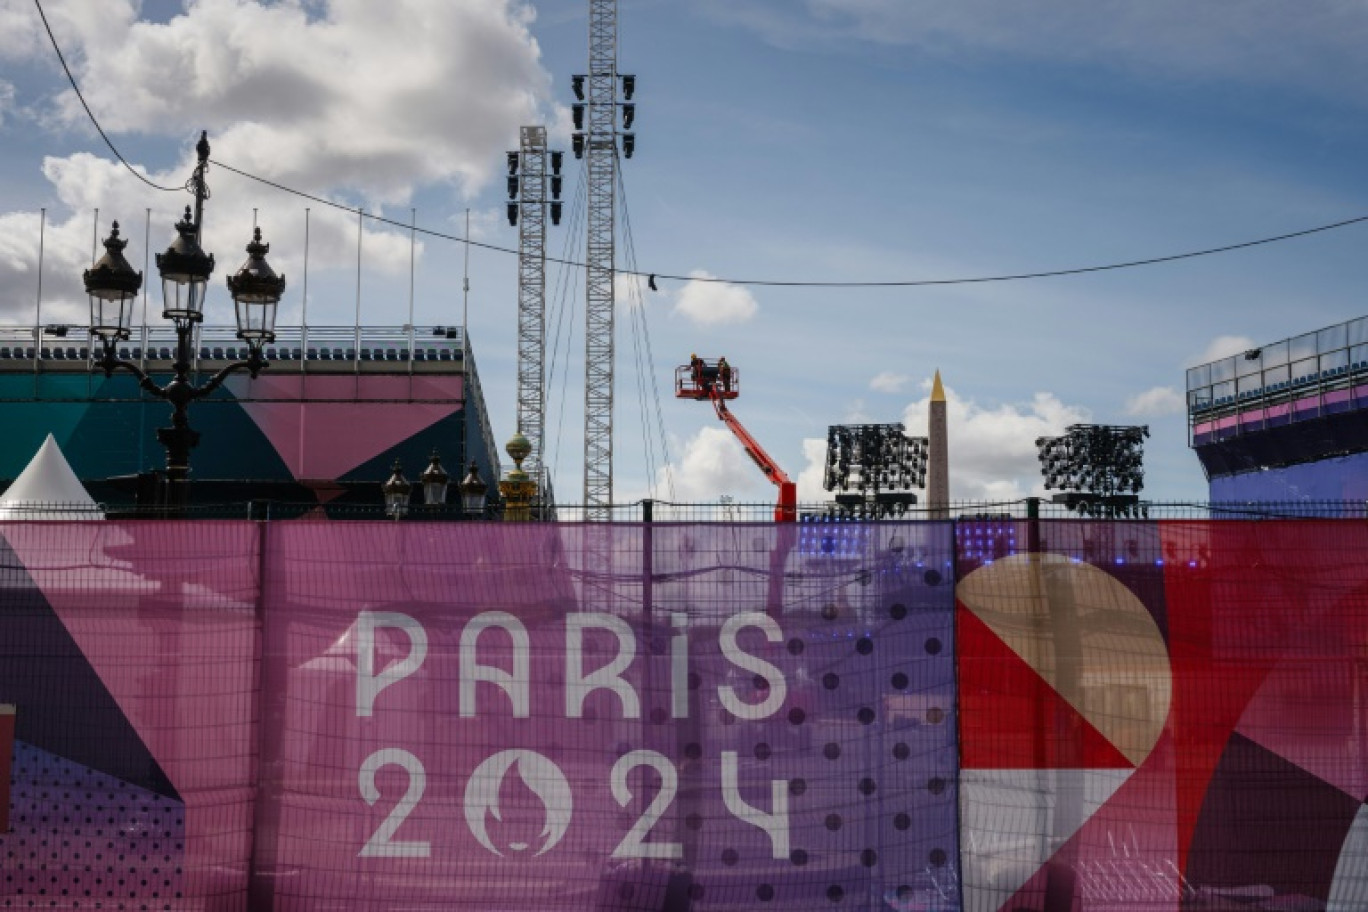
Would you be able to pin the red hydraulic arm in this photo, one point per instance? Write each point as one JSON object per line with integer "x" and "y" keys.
{"x": 716, "y": 382}
{"x": 787, "y": 508}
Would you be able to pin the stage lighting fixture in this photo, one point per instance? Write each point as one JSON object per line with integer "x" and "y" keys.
{"x": 577, "y": 86}
{"x": 577, "y": 113}
{"x": 556, "y": 181}
{"x": 557, "y": 157}
{"x": 628, "y": 87}
{"x": 556, "y": 212}
{"x": 879, "y": 463}
{"x": 1098, "y": 467}
{"x": 512, "y": 188}
{"x": 628, "y": 116}
{"x": 513, "y": 214}
{"x": 628, "y": 144}
{"x": 577, "y": 145}
{"x": 512, "y": 162}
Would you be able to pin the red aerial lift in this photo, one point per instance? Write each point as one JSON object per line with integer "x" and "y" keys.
{"x": 717, "y": 382}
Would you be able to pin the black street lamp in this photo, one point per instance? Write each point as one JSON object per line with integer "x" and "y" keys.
{"x": 434, "y": 481}
{"x": 473, "y": 489}
{"x": 185, "y": 268}
{"x": 397, "y": 490}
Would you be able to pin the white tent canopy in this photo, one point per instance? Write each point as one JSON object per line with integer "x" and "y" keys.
{"x": 48, "y": 489}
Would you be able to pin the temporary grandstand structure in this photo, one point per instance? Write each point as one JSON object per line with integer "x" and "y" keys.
{"x": 48, "y": 489}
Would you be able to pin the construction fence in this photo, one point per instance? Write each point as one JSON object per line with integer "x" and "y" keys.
{"x": 724, "y": 511}
{"x": 982, "y": 713}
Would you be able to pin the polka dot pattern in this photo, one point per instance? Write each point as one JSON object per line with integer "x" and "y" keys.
{"x": 81, "y": 839}
{"x": 863, "y": 747}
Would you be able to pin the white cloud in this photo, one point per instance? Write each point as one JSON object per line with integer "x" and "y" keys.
{"x": 630, "y": 291}
{"x": 707, "y": 303}
{"x": 1156, "y": 403}
{"x": 84, "y": 183}
{"x": 339, "y": 93}
{"x": 329, "y": 96}
{"x": 714, "y": 464}
{"x": 889, "y": 382}
{"x": 1223, "y": 347}
{"x": 7, "y": 105}
{"x": 810, "y": 479}
{"x": 992, "y": 449}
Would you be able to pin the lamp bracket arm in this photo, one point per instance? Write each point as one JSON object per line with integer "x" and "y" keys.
{"x": 253, "y": 366}
{"x": 111, "y": 364}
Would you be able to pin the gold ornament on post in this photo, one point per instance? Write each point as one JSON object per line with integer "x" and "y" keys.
{"x": 517, "y": 487}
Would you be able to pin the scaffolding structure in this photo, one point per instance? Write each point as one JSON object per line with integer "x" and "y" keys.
{"x": 532, "y": 216}
{"x": 598, "y": 144}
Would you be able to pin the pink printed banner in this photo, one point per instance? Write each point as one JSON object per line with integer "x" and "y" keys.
{"x": 1024, "y": 716}
{"x": 625, "y": 717}
{"x": 130, "y": 650}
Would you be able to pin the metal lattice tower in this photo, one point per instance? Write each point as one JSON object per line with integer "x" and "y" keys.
{"x": 598, "y": 143}
{"x": 530, "y": 213}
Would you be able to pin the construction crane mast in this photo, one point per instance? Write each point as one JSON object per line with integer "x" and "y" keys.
{"x": 596, "y": 140}
{"x": 532, "y": 197}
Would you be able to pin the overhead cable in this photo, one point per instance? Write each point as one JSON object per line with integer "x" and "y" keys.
{"x": 657, "y": 276}
{"x": 91, "y": 114}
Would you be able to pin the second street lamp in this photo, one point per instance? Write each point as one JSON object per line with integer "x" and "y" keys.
{"x": 434, "y": 480}
{"x": 473, "y": 489}
{"x": 185, "y": 268}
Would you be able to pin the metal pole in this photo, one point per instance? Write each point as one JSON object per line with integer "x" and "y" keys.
{"x": 413, "y": 238}
{"x": 38, "y": 305}
{"x": 465, "y": 282}
{"x": 147, "y": 253}
{"x": 304, "y": 305}
{"x": 360, "y": 216}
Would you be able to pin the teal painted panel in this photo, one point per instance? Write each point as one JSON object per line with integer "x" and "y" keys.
{"x": 107, "y": 429}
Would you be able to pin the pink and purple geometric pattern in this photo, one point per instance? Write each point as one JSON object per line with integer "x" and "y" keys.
{"x": 905, "y": 716}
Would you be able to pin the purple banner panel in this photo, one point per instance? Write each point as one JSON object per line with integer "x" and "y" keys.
{"x": 513, "y": 716}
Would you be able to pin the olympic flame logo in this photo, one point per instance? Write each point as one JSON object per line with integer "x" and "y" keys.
{"x": 542, "y": 778}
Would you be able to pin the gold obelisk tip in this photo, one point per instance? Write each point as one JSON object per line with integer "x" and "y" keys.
{"x": 937, "y": 391}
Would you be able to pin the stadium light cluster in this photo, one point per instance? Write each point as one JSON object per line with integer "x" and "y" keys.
{"x": 874, "y": 466}
{"x": 628, "y": 108}
{"x": 1098, "y": 467}
{"x": 514, "y": 185}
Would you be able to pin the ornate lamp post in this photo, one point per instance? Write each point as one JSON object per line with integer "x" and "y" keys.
{"x": 473, "y": 490}
{"x": 434, "y": 481}
{"x": 397, "y": 490}
{"x": 185, "y": 269}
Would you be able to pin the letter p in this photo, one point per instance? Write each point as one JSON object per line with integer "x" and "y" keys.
{"x": 368, "y": 683}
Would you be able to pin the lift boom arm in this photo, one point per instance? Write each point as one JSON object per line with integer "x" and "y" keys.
{"x": 787, "y": 508}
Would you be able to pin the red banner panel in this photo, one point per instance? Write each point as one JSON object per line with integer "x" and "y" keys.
{"x": 1163, "y": 715}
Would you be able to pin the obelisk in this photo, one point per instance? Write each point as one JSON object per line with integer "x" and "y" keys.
{"x": 937, "y": 456}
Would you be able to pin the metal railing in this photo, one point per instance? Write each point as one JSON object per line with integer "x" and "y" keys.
{"x": 359, "y": 349}
{"x": 1290, "y": 380}
{"x": 670, "y": 512}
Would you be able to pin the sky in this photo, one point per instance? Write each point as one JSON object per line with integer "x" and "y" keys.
{"x": 782, "y": 141}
